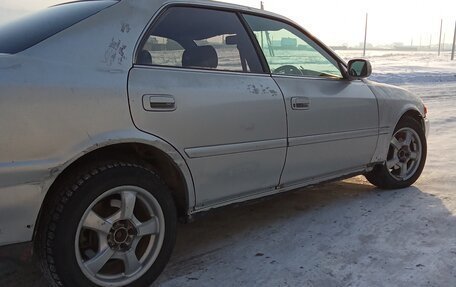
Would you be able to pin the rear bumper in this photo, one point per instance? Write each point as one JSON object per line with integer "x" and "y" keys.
{"x": 22, "y": 191}
{"x": 22, "y": 252}
{"x": 19, "y": 208}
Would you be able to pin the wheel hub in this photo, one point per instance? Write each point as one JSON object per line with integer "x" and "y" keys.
{"x": 404, "y": 154}
{"x": 121, "y": 235}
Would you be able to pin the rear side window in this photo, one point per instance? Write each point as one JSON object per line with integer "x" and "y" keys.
{"x": 26, "y": 32}
{"x": 164, "y": 51}
{"x": 199, "y": 38}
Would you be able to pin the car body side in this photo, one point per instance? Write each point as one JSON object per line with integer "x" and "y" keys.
{"x": 66, "y": 97}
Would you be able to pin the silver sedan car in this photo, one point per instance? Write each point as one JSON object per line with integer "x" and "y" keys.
{"x": 119, "y": 117}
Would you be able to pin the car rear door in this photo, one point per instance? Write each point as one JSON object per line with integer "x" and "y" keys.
{"x": 198, "y": 84}
{"x": 332, "y": 122}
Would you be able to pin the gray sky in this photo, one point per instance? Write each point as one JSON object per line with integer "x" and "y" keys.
{"x": 333, "y": 21}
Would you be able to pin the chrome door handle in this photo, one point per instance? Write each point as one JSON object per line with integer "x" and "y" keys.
{"x": 159, "y": 103}
{"x": 300, "y": 103}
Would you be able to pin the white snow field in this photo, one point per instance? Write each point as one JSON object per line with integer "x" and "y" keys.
{"x": 346, "y": 233}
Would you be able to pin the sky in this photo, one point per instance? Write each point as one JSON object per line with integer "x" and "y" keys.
{"x": 335, "y": 22}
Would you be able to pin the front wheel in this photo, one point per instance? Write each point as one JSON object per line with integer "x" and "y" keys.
{"x": 114, "y": 225}
{"x": 406, "y": 157}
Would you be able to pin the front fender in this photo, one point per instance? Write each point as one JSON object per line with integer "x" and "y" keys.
{"x": 393, "y": 103}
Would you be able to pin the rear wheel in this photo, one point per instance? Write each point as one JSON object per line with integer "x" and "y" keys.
{"x": 114, "y": 225}
{"x": 406, "y": 157}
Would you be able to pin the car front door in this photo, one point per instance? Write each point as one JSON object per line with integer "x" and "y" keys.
{"x": 332, "y": 122}
{"x": 199, "y": 84}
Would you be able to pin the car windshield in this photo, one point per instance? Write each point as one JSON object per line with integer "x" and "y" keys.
{"x": 30, "y": 30}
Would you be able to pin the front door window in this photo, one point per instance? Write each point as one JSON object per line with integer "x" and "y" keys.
{"x": 290, "y": 52}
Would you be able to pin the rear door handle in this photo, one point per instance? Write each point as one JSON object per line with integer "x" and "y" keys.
{"x": 159, "y": 103}
{"x": 300, "y": 103}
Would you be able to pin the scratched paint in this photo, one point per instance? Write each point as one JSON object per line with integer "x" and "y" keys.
{"x": 125, "y": 28}
{"x": 115, "y": 53}
{"x": 264, "y": 90}
{"x": 253, "y": 89}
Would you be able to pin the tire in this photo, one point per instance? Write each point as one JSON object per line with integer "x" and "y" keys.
{"x": 115, "y": 210}
{"x": 404, "y": 163}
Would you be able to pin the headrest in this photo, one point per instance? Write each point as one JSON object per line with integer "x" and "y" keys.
{"x": 200, "y": 57}
{"x": 144, "y": 58}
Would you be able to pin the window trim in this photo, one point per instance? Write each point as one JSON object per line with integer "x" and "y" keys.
{"x": 160, "y": 12}
{"x": 199, "y": 70}
{"x": 255, "y": 43}
{"x": 341, "y": 63}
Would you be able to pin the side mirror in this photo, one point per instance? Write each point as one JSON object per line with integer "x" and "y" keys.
{"x": 359, "y": 68}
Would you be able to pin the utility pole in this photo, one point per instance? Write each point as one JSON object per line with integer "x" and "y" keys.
{"x": 261, "y": 32}
{"x": 430, "y": 42}
{"x": 443, "y": 43}
{"x": 268, "y": 37}
{"x": 365, "y": 37}
{"x": 420, "y": 41}
{"x": 454, "y": 43}
{"x": 440, "y": 37}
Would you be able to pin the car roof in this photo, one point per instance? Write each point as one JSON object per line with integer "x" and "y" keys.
{"x": 216, "y": 4}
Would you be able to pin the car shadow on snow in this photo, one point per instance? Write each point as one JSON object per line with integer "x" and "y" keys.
{"x": 345, "y": 233}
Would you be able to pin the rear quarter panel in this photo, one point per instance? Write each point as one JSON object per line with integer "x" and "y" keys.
{"x": 60, "y": 99}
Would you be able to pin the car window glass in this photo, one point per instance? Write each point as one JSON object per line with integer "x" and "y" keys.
{"x": 229, "y": 57}
{"x": 199, "y": 38}
{"x": 164, "y": 51}
{"x": 290, "y": 52}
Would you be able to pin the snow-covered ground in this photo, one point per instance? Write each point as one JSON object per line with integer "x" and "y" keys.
{"x": 340, "y": 234}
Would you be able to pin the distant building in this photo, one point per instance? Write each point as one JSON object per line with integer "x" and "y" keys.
{"x": 276, "y": 43}
{"x": 343, "y": 47}
{"x": 289, "y": 43}
{"x": 368, "y": 45}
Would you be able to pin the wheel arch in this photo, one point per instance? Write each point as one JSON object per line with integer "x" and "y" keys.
{"x": 414, "y": 114}
{"x": 386, "y": 133}
{"x": 161, "y": 157}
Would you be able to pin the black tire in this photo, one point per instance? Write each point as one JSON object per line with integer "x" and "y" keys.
{"x": 55, "y": 240}
{"x": 380, "y": 176}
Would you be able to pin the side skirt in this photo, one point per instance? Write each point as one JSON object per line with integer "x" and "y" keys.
{"x": 341, "y": 175}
